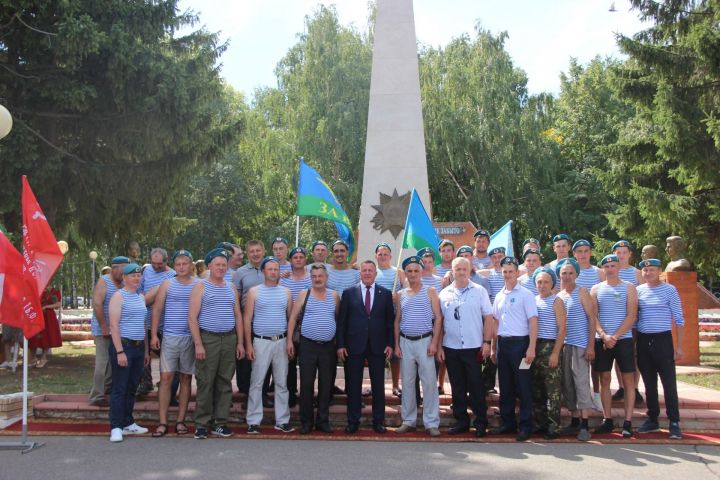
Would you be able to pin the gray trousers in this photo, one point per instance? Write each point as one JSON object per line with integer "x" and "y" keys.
{"x": 414, "y": 361}
{"x": 575, "y": 379}
{"x": 102, "y": 376}
{"x": 269, "y": 353}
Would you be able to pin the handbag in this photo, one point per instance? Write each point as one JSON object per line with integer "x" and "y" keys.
{"x": 298, "y": 322}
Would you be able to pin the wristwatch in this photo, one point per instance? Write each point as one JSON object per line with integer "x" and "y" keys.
{"x": 487, "y": 342}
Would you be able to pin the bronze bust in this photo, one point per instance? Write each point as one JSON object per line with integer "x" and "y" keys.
{"x": 675, "y": 248}
{"x": 650, "y": 251}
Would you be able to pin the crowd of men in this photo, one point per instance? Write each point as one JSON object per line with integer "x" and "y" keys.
{"x": 545, "y": 335}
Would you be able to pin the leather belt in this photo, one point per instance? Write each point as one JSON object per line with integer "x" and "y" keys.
{"x": 416, "y": 337}
{"x": 273, "y": 337}
{"x": 219, "y": 334}
{"x": 514, "y": 339}
{"x": 318, "y": 342}
{"x": 130, "y": 341}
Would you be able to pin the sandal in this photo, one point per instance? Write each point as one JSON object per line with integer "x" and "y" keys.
{"x": 181, "y": 428}
{"x": 160, "y": 431}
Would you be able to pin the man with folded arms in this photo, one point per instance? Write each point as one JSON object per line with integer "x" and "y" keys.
{"x": 416, "y": 344}
{"x": 217, "y": 330}
{"x": 266, "y": 312}
{"x": 468, "y": 327}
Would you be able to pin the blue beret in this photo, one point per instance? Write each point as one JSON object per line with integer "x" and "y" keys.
{"x": 532, "y": 240}
{"x": 267, "y": 260}
{"x": 581, "y": 243}
{"x": 119, "y": 260}
{"x": 410, "y": 260}
{"x": 226, "y": 246}
{"x": 382, "y": 245}
{"x": 297, "y": 250}
{"x": 182, "y": 253}
{"x": 280, "y": 240}
{"x": 464, "y": 249}
{"x": 621, "y": 243}
{"x": 318, "y": 242}
{"x": 496, "y": 250}
{"x": 562, "y": 236}
{"x": 216, "y": 252}
{"x": 424, "y": 252}
{"x": 482, "y": 233}
{"x": 132, "y": 268}
{"x": 508, "y": 260}
{"x": 609, "y": 258}
{"x": 444, "y": 242}
{"x": 531, "y": 251}
{"x": 547, "y": 270}
{"x": 650, "y": 262}
{"x": 567, "y": 261}
{"x": 341, "y": 242}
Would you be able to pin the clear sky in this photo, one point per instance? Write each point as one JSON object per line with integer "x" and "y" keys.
{"x": 543, "y": 34}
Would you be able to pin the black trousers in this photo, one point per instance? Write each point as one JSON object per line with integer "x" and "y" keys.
{"x": 316, "y": 359}
{"x": 515, "y": 383}
{"x": 353, "y": 385}
{"x": 656, "y": 357}
{"x": 464, "y": 372}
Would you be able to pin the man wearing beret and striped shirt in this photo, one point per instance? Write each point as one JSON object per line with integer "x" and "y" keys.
{"x": 172, "y": 303}
{"x": 418, "y": 324}
{"x": 216, "y": 327}
{"x": 658, "y": 308}
{"x": 481, "y": 259}
{"x": 561, "y": 247}
{"x": 297, "y": 281}
{"x": 341, "y": 275}
{"x": 266, "y": 321}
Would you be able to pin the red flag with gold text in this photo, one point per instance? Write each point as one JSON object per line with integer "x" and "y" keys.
{"x": 40, "y": 249}
{"x": 19, "y": 298}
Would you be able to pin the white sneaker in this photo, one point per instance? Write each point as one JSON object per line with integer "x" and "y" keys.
{"x": 134, "y": 429}
{"x": 597, "y": 402}
{"x": 116, "y": 435}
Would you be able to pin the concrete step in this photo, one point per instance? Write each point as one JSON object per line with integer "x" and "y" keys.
{"x": 696, "y": 416}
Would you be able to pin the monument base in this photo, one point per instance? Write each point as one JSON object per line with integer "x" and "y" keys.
{"x": 686, "y": 284}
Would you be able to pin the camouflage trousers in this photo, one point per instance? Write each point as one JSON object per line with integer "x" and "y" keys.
{"x": 546, "y": 387}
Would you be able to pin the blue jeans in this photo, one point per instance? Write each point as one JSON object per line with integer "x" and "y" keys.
{"x": 514, "y": 383}
{"x": 125, "y": 381}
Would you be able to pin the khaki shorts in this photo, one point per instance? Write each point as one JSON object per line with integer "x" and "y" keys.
{"x": 177, "y": 354}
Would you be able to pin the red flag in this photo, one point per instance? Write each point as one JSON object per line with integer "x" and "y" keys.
{"x": 40, "y": 249}
{"x": 19, "y": 298}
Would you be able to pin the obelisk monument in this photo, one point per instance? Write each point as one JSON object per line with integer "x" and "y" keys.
{"x": 395, "y": 147}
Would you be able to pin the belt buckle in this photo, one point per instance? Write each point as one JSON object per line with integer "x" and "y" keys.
{"x": 275, "y": 338}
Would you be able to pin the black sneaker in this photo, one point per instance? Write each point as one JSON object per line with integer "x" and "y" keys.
{"x": 619, "y": 395}
{"x": 221, "y": 431}
{"x": 605, "y": 427}
{"x": 627, "y": 430}
{"x": 285, "y": 428}
{"x": 650, "y": 425}
{"x": 254, "y": 429}
{"x": 675, "y": 432}
{"x": 200, "y": 433}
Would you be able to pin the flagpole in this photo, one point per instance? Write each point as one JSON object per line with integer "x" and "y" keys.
{"x": 397, "y": 267}
{"x": 23, "y": 444}
{"x": 297, "y": 230}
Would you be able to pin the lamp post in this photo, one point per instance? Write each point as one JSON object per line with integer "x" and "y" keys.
{"x": 93, "y": 256}
{"x": 63, "y": 246}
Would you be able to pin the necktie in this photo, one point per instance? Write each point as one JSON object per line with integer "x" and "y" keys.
{"x": 367, "y": 300}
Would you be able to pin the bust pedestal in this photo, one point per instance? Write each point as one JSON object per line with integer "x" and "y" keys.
{"x": 686, "y": 284}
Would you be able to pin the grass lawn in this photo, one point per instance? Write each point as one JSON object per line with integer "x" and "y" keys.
{"x": 709, "y": 357}
{"x": 69, "y": 370}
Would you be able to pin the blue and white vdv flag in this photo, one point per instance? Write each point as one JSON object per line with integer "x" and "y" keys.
{"x": 503, "y": 238}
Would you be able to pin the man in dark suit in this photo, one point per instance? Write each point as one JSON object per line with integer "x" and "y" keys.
{"x": 365, "y": 332}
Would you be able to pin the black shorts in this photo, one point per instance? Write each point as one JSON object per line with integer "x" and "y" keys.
{"x": 623, "y": 353}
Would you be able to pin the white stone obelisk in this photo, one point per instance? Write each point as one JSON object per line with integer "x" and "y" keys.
{"x": 395, "y": 147}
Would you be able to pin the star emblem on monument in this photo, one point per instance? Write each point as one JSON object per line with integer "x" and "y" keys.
{"x": 391, "y": 213}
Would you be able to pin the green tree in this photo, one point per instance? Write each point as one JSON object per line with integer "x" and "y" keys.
{"x": 665, "y": 166}
{"x": 112, "y": 110}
